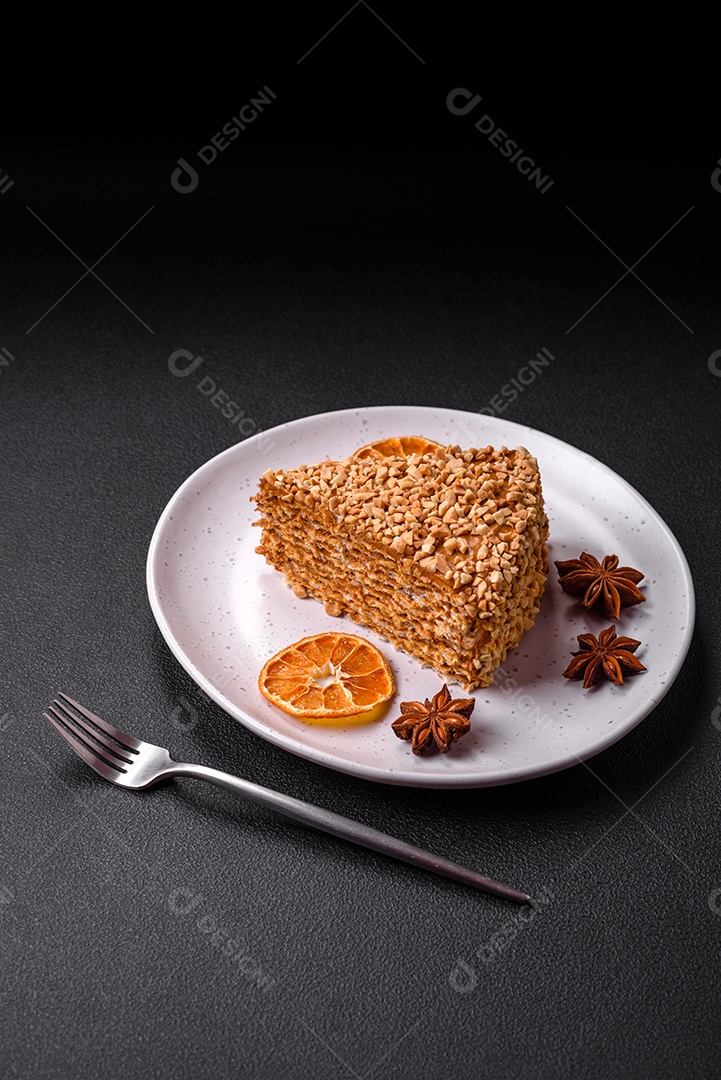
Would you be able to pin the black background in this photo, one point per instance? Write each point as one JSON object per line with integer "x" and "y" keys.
{"x": 357, "y": 245}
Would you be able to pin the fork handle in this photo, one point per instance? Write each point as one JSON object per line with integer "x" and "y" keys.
{"x": 337, "y": 825}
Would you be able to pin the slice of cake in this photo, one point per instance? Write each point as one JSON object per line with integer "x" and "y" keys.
{"x": 442, "y": 554}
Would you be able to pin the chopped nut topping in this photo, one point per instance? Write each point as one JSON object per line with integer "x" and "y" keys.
{"x": 443, "y": 553}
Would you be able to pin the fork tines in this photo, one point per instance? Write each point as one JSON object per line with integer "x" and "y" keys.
{"x": 93, "y": 738}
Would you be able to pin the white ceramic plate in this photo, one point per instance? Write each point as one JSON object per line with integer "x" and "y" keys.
{"x": 223, "y": 611}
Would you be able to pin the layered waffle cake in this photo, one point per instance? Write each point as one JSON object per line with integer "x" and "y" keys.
{"x": 441, "y": 553}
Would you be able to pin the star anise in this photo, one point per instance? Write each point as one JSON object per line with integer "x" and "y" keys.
{"x": 606, "y": 655}
{"x": 605, "y": 584}
{"x": 438, "y": 721}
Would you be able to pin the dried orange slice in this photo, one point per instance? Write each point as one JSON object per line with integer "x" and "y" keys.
{"x": 398, "y": 446}
{"x": 327, "y": 675}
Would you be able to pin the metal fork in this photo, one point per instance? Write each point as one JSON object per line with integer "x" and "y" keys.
{"x": 123, "y": 760}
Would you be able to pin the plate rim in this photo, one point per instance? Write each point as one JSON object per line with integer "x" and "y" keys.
{"x": 403, "y": 778}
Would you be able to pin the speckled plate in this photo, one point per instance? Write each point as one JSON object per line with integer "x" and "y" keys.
{"x": 223, "y": 612}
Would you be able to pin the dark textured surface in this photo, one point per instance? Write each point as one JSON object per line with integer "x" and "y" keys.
{"x": 360, "y": 245}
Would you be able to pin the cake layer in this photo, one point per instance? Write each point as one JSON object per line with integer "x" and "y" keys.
{"x": 428, "y": 631}
{"x": 443, "y": 555}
